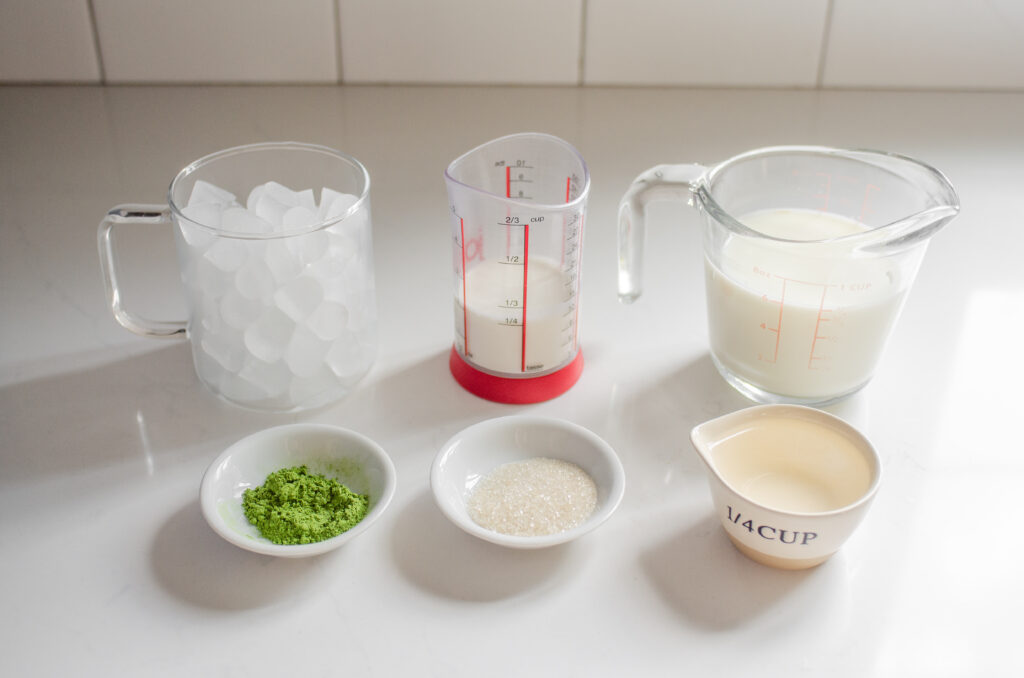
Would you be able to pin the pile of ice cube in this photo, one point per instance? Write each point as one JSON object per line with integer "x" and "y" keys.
{"x": 283, "y": 314}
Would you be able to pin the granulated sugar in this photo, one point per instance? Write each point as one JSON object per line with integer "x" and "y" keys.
{"x": 532, "y": 498}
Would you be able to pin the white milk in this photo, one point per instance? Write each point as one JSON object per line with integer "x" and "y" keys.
{"x": 493, "y": 318}
{"x": 796, "y": 323}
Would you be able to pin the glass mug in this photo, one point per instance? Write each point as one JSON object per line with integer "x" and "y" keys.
{"x": 809, "y": 254}
{"x": 280, "y": 296}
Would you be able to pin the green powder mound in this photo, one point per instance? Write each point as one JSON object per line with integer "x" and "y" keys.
{"x": 295, "y": 506}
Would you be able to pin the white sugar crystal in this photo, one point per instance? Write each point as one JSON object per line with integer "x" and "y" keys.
{"x": 205, "y": 192}
{"x": 241, "y": 220}
{"x": 268, "y": 337}
{"x": 305, "y": 353}
{"x": 238, "y": 311}
{"x": 299, "y": 216}
{"x": 328, "y": 321}
{"x": 534, "y": 497}
{"x": 227, "y": 254}
{"x": 255, "y": 280}
{"x": 299, "y": 298}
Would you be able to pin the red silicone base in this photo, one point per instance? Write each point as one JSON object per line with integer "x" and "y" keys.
{"x": 515, "y": 391}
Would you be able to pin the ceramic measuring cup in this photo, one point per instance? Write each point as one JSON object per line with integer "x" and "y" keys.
{"x": 789, "y": 483}
{"x": 276, "y": 259}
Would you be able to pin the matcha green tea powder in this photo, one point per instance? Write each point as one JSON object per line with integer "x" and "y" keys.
{"x": 295, "y": 506}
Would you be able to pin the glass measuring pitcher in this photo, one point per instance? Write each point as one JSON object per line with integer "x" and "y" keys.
{"x": 278, "y": 282}
{"x": 809, "y": 253}
{"x": 517, "y": 207}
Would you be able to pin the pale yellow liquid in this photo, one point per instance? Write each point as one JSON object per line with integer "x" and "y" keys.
{"x": 792, "y": 465}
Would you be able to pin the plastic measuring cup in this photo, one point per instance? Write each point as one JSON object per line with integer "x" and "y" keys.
{"x": 517, "y": 208}
{"x": 809, "y": 253}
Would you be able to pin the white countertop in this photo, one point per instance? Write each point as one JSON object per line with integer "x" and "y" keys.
{"x": 109, "y": 569}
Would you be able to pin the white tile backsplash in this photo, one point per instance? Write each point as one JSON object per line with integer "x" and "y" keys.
{"x": 696, "y": 42}
{"x": 926, "y": 43}
{"x": 217, "y": 40}
{"x": 934, "y": 44}
{"x": 461, "y": 41}
{"x": 47, "y": 41}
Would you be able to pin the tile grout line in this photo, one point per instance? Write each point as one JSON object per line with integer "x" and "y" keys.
{"x": 581, "y": 66}
{"x": 337, "y": 41}
{"x": 96, "y": 42}
{"x": 819, "y": 82}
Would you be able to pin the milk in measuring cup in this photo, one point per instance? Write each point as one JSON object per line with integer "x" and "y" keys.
{"x": 493, "y": 317}
{"x": 797, "y": 325}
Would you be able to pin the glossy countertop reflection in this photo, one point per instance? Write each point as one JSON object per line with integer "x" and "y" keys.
{"x": 109, "y": 568}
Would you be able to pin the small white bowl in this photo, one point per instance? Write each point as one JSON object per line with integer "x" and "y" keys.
{"x": 478, "y": 450}
{"x": 348, "y": 457}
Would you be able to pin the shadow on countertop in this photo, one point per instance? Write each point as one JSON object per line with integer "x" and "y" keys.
{"x": 438, "y": 557}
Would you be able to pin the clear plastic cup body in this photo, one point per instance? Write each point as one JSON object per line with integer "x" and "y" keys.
{"x": 517, "y": 212}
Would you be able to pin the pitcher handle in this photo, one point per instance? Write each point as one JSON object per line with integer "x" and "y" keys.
{"x": 132, "y": 214}
{"x": 663, "y": 182}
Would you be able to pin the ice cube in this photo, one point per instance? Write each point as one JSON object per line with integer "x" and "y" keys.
{"x": 309, "y": 247}
{"x": 305, "y": 353}
{"x": 299, "y": 216}
{"x": 225, "y": 347}
{"x": 255, "y": 281}
{"x": 328, "y": 321}
{"x": 280, "y": 193}
{"x": 281, "y": 260}
{"x": 241, "y": 390}
{"x": 272, "y": 379}
{"x": 305, "y": 199}
{"x": 299, "y": 298}
{"x": 319, "y": 389}
{"x": 334, "y": 204}
{"x": 348, "y": 358}
{"x": 268, "y": 337}
{"x": 227, "y": 254}
{"x": 205, "y": 192}
{"x": 238, "y": 311}
{"x": 241, "y": 220}
{"x": 254, "y": 197}
{"x": 207, "y": 214}
{"x": 270, "y": 209}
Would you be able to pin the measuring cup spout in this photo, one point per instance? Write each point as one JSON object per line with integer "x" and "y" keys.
{"x": 663, "y": 182}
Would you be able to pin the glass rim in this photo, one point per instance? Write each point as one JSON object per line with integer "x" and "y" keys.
{"x": 702, "y": 188}
{"x": 206, "y": 160}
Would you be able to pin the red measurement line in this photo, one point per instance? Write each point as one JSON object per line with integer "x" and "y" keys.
{"x": 579, "y": 286}
{"x": 778, "y": 329}
{"x": 465, "y": 320}
{"x": 526, "y": 270}
{"x": 817, "y": 326}
{"x": 568, "y": 184}
{"x": 508, "y": 181}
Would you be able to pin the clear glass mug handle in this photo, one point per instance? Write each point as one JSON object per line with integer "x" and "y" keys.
{"x": 663, "y": 182}
{"x": 124, "y": 215}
